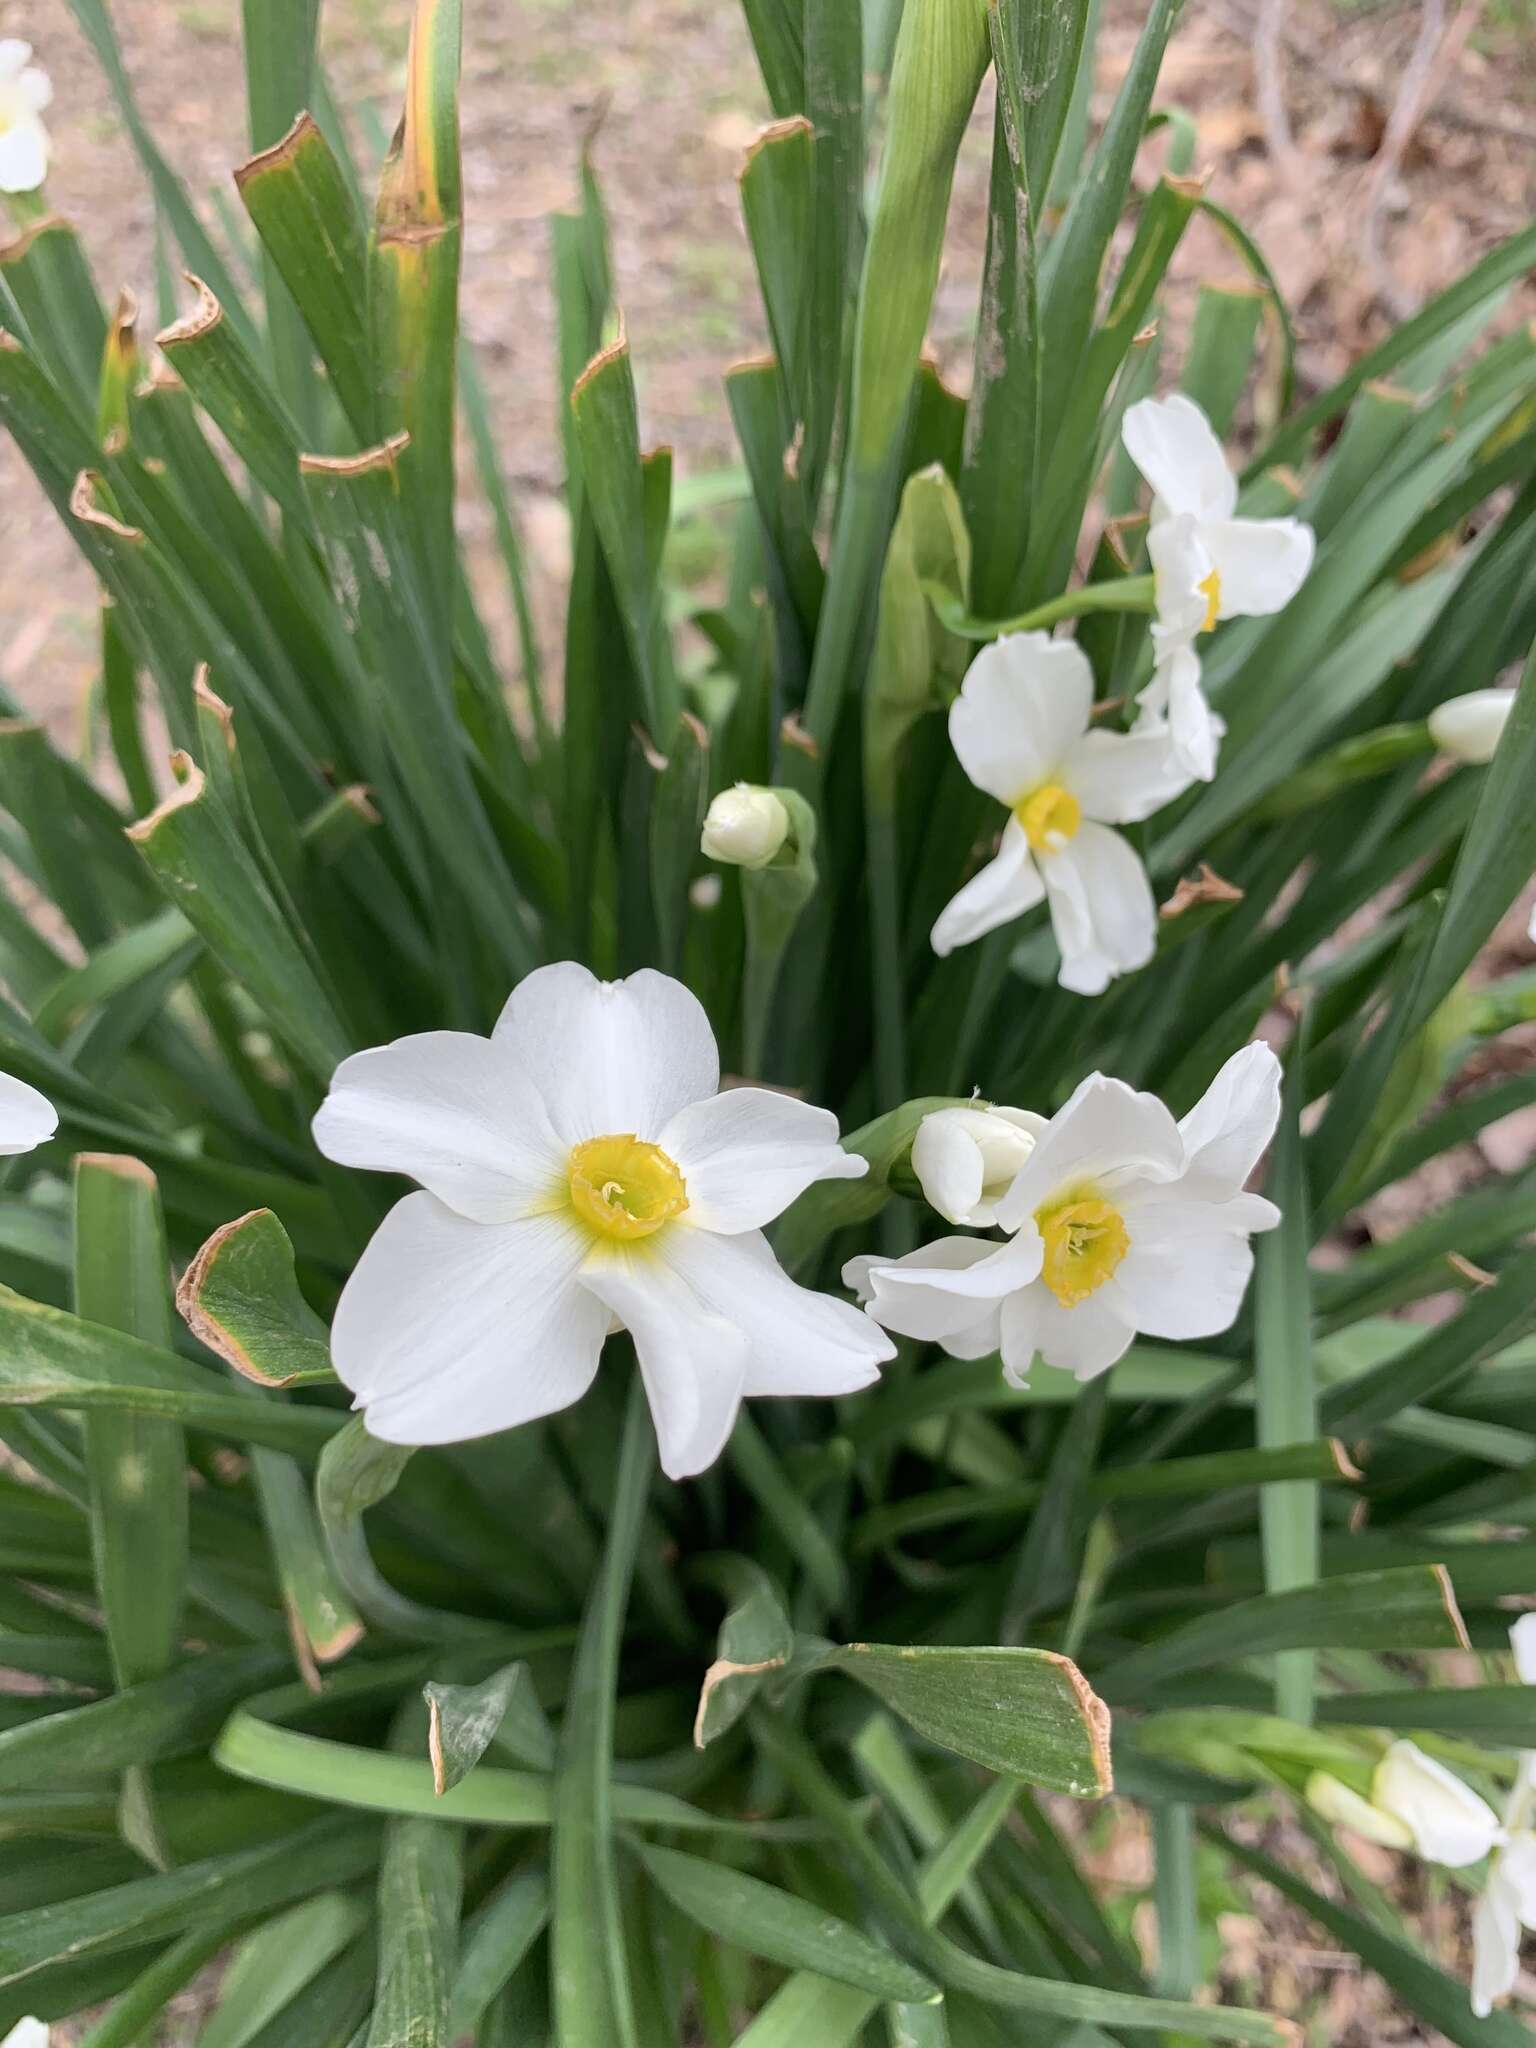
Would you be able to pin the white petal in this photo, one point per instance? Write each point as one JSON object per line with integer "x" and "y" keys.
{"x": 36, "y": 89}
{"x": 1522, "y": 1640}
{"x": 1262, "y": 563}
{"x": 1451, "y": 1824}
{"x": 1227, "y": 1131}
{"x": 27, "y": 2033}
{"x": 1085, "y": 1340}
{"x": 1174, "y": 705}
{"x": 1106, "y": 1133}
{"x": 609, "y": 1057}
{"x": 1120, "y": 778}
{"x": 692, "y": 1358}
{"x": 1517, "y": 1861}
{"x": 23, "y": 157}
{"x": 449, "y": 1330}
{"x": 1024, "y": 700}
{"x": 1179, "y": 1279}
{"x": 944, "y": 1289}
{"x": 946, "y": 1157}
{"x": 449, "y": 1110}
{"x": 1181, "y": 563}
{"x": 27, "y": 1118}
{"x": 1102, "y": 908}
{"x": 15, "y": 56}
{"x": 800, "y": 1342}
{"x": 1171, "y": 442}
{"x": 746, "y": 1154}
{"x": 1495, "y": 1943}
{"x": 1004, "y": 889}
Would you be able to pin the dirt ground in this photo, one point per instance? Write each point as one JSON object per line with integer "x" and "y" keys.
{"x": 1365, "y": 191}
{"x": 1374, "y": 148}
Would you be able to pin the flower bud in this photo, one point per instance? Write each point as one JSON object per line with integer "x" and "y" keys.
{"x": 966, "y": 1159}
{"x": 1468, "y": 728}
{"x": 745, "y": 826}
{"x": 1449, "y": 1823}
{"x": 1335, "y": 1802}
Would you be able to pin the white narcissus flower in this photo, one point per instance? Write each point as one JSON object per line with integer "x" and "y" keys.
{"x": 24, "y": 94}
{"x": 965, "y": 1158}
{"x": 1020, "y": 727}
{"x": 1122, "y": 1221}
{"x": 27, "y": 2034}
{"x": 1208, "y": 564}
{"x": 27, "y": 1120}
{"x": 580, "y": 1172}
{"x": 1508, "y": 1903}
{"x": 1469, "y": 728}
{"x": 1450, "y": 1824}
{"x": 745, "y": 826}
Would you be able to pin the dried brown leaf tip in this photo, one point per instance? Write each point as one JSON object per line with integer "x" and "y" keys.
{"x": 1206, "y": 886}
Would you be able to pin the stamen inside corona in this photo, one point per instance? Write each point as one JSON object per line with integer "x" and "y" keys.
{"x": 1210, "y": 589}
{"x": 1085, "y": 1240}
{"x": 1050, "y": 816}
{"x": 625, "y": 1188}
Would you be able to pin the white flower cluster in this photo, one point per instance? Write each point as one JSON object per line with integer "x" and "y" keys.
{"x": 1119, "y": 1221}
{"x": 1022, "y": 723}
{"x": 1416, "y": 1803}
{"x": 580, "y": 1173}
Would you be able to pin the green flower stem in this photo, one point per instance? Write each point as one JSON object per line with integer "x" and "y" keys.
{"x": 1126, "y": 594}
{"x": 592, "y": 1996}
{"x": 883, "y": 852}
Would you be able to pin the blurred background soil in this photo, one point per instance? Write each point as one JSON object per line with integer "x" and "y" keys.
{"x": 1373, "y": 148}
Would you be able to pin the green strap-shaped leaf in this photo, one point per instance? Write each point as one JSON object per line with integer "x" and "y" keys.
{"x": 48, "y": 1358}
{"x": 136, "y": 1463}
{"x": 780, "y": 1927}
{"x": 1028, "y": 1713}
{"x": 193, "y": 848}
{"x": 421, "y": 1882}
{"x": 327, "y": 1853}
{"x": 162, "y": 1717}
{"x": 1409, "y": 1608}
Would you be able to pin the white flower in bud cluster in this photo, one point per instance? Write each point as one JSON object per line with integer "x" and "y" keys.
{"x": 1468, "y": 728}
{"x": 965, "y": 1159}
{"x": 24, "y": 93}
{"x": 745, "y": 826}
{"x": 1120, "y": 1220}
{"x": 1449, "y": 1823}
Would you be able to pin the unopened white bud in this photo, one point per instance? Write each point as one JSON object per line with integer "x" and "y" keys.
{"x": 1342, "y": 1807}
{"x": 966, "y": 1159}
{"x": 1468, "y": 728}
{"x": 745, "y": 826}
{"x": 1449, "y": 1823}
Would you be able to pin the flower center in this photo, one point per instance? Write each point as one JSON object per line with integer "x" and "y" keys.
{"x": 1050, "y": 816}
{"x": 1210, "y": 589}
{"x": 1085, "y": 1240}
{"x": 625, "y": 1188}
